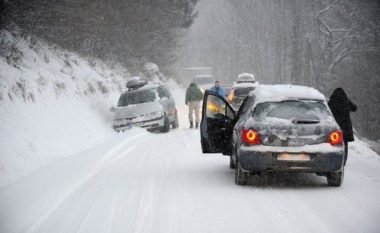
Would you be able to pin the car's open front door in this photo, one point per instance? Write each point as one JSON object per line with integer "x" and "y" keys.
{"x": 218, "y": 119}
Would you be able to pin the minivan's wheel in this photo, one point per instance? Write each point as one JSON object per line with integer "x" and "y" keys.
{"x": 241, "y": 177}
{"x": 335, "y": 178}
{"x": 175, "y": 123}
{"x": 166, "y": 127}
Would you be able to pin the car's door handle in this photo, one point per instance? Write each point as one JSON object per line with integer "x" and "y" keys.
{"x": 224, "y": 128}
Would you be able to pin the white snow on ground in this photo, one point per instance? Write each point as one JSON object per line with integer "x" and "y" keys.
{"x": 91, "y": 179}
{"x": 143, "y": 182}
{"x": 53, "y": 103}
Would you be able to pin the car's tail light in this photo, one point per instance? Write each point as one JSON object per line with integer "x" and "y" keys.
{"x": 250, "y": 136}
{"x": 231, "y": 96}
{"x": 335, "y": 137}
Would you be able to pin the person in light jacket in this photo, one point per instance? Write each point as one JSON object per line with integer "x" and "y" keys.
{"x": 218, "y": 89}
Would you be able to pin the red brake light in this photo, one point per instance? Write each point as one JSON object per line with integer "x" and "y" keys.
{"x": 335, "y": 137}
{"x": 250, "y": 136}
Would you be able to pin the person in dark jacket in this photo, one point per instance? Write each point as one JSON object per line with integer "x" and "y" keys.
{"x": 193, "y": 98}
{"x": 341, "y": 106}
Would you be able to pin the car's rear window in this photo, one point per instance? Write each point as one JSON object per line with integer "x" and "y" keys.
{"x": 243, "y": 91}
{"x": 137, "y": 97}
{"x": 291, "y": 110}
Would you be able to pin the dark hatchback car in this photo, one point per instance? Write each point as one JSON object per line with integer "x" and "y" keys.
{"x": 281, "y": 128}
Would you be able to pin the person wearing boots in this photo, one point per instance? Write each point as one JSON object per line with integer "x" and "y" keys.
{"x": 341, "y": 106}
{"x": 193, "y": 98}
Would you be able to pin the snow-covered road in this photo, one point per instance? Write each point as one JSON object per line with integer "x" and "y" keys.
{"x": 143, "y": 182}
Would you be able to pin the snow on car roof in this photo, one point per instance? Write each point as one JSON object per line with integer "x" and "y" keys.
{"x": 246, "y": 78}
{"x": 244, "y": 75}
{"x": 149, "y": 85}
{"x": 281, "y": 91}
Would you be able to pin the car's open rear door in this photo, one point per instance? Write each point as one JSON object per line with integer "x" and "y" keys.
{"x": 217, "y": 123}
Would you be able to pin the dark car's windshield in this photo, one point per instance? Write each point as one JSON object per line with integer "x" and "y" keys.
{"x": 291, "y": 110}
{"x": 137, "y": 97}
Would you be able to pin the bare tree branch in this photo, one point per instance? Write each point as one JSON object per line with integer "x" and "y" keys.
{"x": 347, "y": 53}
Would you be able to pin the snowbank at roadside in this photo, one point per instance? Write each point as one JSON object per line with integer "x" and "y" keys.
{"x": 53, "y": 103}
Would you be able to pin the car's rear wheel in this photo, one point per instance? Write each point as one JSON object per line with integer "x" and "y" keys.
{"x": 166, "y": 127}
{"x": 335, "y": 179}
{"x": 241, "y": 177}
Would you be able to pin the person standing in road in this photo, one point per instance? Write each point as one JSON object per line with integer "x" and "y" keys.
{"x": 341, "y": 106}
{"x": 193, "y": 98}
{"x": 218, "y": 89}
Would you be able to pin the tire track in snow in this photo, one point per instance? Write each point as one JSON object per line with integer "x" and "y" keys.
{"x": 125, "y": 211}
{"x": 101, "y": 164}
{"x": 150, "y": 200}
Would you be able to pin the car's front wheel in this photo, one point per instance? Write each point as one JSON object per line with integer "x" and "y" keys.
{"x": 166, "y": 127}
{"x": 175, "y": 123}
{"x": 335, "y": 178}
{"x": 241, "y": 177}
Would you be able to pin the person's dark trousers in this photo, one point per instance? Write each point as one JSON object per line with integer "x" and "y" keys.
{"x": 345, "y": 151}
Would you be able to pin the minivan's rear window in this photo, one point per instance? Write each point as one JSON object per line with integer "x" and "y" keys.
{"x": 291, "y": 110}
{"x": 137, "y": 97}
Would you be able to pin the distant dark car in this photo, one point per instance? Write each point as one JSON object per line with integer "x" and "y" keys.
{"x": 238, "y": 94}
{"x": 277, "y": 128}
{"x": 240, "y": 90}
{"x": 227, "y": 90}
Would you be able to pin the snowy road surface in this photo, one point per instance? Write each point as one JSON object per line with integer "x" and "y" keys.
{"x": 143, "y": 182}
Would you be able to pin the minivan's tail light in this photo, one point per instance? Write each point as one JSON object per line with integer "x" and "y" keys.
{"x": 250, "y": 136}
{"x": 335, "y": 137}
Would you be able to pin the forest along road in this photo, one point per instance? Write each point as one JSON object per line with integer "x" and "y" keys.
{"x": 144, "y": 182}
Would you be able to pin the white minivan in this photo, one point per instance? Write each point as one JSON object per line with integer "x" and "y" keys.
{"x": 147, "y": 105}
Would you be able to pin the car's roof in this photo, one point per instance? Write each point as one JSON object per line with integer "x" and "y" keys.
{"x": 284, "y": 92}
{"x": 244, "y": 77}
{"x": 149, "y": 85}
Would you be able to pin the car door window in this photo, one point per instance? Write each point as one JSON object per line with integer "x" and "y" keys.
{"x": 218, "y": 109}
